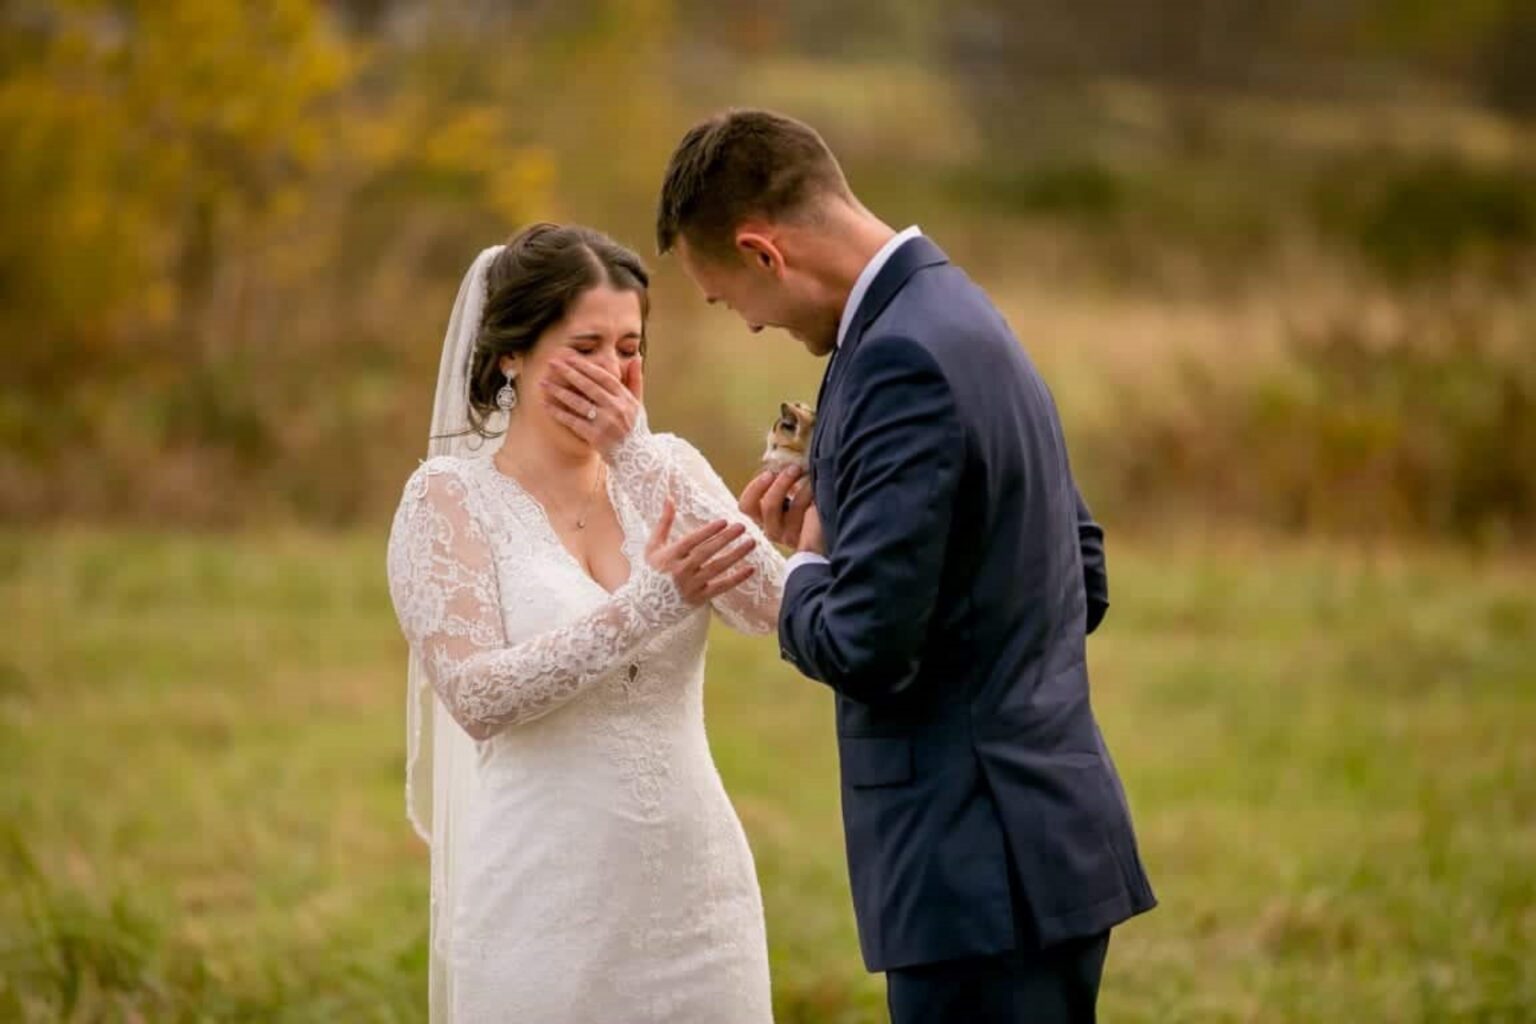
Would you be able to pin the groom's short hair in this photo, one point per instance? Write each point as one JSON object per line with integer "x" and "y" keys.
{"x": 740, "y": 164}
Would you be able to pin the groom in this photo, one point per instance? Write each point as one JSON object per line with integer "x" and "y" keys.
{"x": 946, "y": 576}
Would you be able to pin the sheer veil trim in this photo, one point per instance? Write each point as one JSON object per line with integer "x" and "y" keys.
{"x": 440, "y": 756}
{"x": 449, "y": 435}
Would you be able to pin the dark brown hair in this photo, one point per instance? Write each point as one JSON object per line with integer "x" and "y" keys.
{"x": 530, "y": 286}
{"x": 739, "y": 164}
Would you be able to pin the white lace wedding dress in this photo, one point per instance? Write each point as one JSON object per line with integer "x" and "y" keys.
{"x": 603, "y": 875}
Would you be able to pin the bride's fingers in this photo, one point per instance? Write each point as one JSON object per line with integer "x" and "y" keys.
{"x": 681, "y": 549}
{"x": 578, "y": 425}
{"x": 573, "y": 401}
{"x": 634, "y": 378}
{"x": 677, "y": 552}
{"x": 599, "y": 377}
{"x": 719, "y": 564}
{"x": 581, "y": 383}
{"x": 707, "y": 550}
{"x": 729, "y": 581}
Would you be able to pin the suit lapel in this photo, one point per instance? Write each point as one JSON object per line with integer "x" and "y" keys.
{"x": 913, "y": 256}
{"x": 907, "y": 260}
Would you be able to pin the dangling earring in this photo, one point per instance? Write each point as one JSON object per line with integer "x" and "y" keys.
{"x": 506, "y": 398}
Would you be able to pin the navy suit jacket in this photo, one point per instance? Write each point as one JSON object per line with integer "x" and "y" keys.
{"x": 982, "y": 812}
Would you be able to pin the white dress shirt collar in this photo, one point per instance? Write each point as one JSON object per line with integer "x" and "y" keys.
{"x": 867, "y": 277}
{"x": 860, "y": 287}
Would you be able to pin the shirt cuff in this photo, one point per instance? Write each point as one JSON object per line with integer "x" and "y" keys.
{"x": 800, "y": 558}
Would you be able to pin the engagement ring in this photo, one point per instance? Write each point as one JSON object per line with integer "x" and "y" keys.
{"x": 592, "y": 414}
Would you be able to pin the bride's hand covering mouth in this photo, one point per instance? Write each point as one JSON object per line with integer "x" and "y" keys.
{"x": 591, "y": 402}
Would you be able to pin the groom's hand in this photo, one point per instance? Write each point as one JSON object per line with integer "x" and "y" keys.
{"x": 810, "y": 533}
{"x": 778, "y": 502}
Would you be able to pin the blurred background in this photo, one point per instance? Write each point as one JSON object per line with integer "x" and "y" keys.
{"x": 1275, "y": 259}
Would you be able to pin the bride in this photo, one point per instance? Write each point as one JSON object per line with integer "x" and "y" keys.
{"x": 552, "y": 566}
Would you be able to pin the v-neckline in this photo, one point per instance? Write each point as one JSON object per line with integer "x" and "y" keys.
{"x": 554, "y": 534}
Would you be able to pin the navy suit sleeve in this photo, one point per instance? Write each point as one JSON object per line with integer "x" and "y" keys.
{"x": 1090, "y": 536}
{"x": 859, "y": 622}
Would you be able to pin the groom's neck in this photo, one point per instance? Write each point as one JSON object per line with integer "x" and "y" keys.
{"x": 843, "y": 243}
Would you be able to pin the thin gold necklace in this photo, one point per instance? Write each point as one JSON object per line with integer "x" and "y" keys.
{"x": 602, "y": 474}
{"x": 586, "y": 507}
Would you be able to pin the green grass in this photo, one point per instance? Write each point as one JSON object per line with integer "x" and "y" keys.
{"x": 1331, "y": 758}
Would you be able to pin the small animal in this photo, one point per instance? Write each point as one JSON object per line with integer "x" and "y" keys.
{"x": 789, "y": 439}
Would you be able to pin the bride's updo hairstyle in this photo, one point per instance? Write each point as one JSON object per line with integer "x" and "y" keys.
{"x": 530, "y": 286}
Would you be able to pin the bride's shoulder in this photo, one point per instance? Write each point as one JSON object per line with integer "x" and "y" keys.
{"x": 453, "y": 464}
{"x": 445, "y": 475}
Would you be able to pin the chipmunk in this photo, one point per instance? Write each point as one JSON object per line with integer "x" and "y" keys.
{"x": 789, "y": 439}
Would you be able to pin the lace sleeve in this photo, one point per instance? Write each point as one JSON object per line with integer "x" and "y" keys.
{"x": 651, "y": 467}
{"x": 442, "y": 580}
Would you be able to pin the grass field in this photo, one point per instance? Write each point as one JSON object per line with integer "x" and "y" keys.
{"x": 1331, "y": 758}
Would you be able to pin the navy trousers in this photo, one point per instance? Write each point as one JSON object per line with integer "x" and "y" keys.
{"x": 1056, "y": 985}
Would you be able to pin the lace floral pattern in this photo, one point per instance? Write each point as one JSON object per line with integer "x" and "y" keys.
{"x": 443, "y": 581}
{"x": 653, "y": 467}
{"x": 600, "y": 872}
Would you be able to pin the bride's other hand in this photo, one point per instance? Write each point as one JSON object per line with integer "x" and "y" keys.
{"x": 591, "y": 402}
{"x": 704, "y": 564}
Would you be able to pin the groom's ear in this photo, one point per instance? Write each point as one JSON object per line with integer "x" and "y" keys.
{"x": 760, "y": 251}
